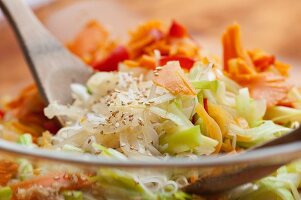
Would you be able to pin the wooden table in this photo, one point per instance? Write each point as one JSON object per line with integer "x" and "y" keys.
{"x": 273, "y": 25}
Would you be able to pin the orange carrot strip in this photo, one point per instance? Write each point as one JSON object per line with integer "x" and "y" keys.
{"x": 212, "y": 129}
{"x": 172, "y": 78}
{"x": 268, "y": 86}
{"x": 63, "y": 180}
{"x": 7, "y": 170}
{"x": 89, "y": 39}
{"x": 232, "y": 46}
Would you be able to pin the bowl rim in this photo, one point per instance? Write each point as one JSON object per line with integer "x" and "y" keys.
{"x": 276, "y": 155}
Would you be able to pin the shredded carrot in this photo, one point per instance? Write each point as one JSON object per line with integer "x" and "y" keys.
{"x": 28, "y": 108}
{"x": 7, "y": 170}
{"x": 262, "y": 61}
{"x": 64, "y": 181}
{"x": 131, "y": 63}
{"x": 89, "y": 40}
{"x": 220, "y": 115}
{"x": 172, "y": 78}
{"x": 282, "y": 68}
{"x": 252, "y": 69}
{"x": 212, "y": 129}
{"x": 148, "y": 62}
{"x": 268, "y": 86}
{"x": 232, "y": 46}
{"x": 227, "y": 146}
{"x": 238, "y": 66}
{"x": 143, "y": 36}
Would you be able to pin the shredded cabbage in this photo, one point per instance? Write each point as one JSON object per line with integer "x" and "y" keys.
{"x": 268, "y": 130}
{"x": 188, "y": 140}
{"x": 283, "y": 185}
{"x": 281, "y": 114}
{"x": 5, "y": 193}
{"x": 73, "y": 195}
{"x": 252, "y": 110}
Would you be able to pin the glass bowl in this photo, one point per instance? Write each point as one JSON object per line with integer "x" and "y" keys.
{"x": 206, "y": 20}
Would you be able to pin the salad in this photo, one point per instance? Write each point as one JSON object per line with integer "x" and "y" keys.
{"x": 156, "y": 96}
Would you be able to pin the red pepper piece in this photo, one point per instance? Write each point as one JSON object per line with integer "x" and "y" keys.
{"x": 110, "y": 63}
{"x": 185, "y": 62}
{"x": 2, "y": 113}
{"x": 264, "y": 62}
{"x": 177, "y": 30}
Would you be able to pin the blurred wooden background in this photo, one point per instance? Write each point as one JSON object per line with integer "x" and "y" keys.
{"x": 273, "y": 25}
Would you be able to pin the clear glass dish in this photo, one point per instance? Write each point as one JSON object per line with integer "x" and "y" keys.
{"x": 206, "y": 21}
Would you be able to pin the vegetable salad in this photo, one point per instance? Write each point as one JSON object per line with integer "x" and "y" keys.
{"x": 155, "y": 96}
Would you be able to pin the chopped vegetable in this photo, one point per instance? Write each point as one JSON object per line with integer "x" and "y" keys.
{"x": 250, "y": 109}
{"x": 222, "y": 117}
{"x": 177, "y": 30}
{"x": 172, "y": 78}
{"x": 212, "y": 85}
{"x": 260, "y": 134}
{"x": 185, "y": 62}
{"x": 252, "y": 72}
{"x": 110, "y": 63}
{"x": 89, "y": 40}
{"x": 116, "y": 183}
{"x": 2, "y": 113}
{"x": 267, "y": 86}
{"x": 109, "y": 152}
{"x": 187, "y": 140}
{"x": 8, "y": 169}
{"x": 25, "y": 170}
{"x": 26, "y": 140}
{"x": 281, "y": 114}
{"x": 73, "y": 195}
{"x": 209, "y": 127}
{"x": 5, "y": 193}
{"x": 63, "y": 180}
{"x": 282, "y": 185}
{"x": 28, "y": 111}
{"x": 157, "y": 95}
{"x": 145, "y": 35}
{"x": 232, "y": 47}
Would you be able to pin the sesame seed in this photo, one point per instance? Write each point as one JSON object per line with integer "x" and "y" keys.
{"x": 117, "y": 125}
